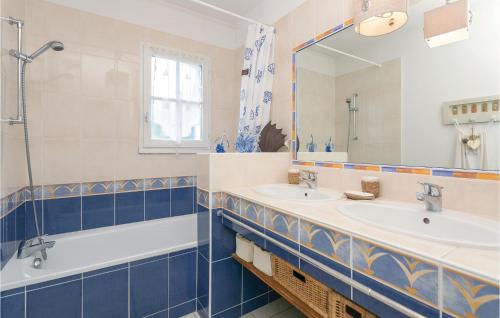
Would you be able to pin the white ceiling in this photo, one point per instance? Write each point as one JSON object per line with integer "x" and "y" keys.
{"x": 188, "y": 19}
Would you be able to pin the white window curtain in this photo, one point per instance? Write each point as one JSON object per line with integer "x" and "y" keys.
{"x": 256, "y": 87}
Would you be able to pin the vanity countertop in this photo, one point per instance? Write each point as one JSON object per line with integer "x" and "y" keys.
{"x": 483, "y": 262}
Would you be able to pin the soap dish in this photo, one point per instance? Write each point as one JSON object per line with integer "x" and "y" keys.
{"x": 358, "y": 195}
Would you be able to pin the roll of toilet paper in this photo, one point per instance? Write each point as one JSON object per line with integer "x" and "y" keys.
{"x": 262, "y": 260}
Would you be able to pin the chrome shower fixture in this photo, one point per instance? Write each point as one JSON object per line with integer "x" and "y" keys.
{"x": 55, "y": 45}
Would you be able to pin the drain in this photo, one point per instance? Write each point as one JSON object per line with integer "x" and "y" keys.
{"x": 305, "y": 194}
{"x": 426, "y": 220}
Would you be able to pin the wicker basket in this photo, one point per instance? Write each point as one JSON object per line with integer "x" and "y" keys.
{"x": 293, "y": 177}
{"x": 311, "y": 291}
{"x": 341, "y": 307}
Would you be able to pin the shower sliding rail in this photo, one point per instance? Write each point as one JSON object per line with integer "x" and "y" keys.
{"x": 345, "y": 279}
{"x": 20, "y": 25}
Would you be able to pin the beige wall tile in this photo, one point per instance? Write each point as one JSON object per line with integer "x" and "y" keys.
{"x": 61, "y": 115}
{"x": 98, "y": 159}
{"x": 62, "y": 160}
{"x": 98, "y": 117}
{"x": 98, "y": 76}
{"x": 302, "y": 26}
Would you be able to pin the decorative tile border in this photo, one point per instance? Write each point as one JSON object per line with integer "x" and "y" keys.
{"x": 179, "y": 182}
{"x": 157, "y": 183}
{"x": 330, "y": 243}
{"x": 469, "y": 297}
{"x": 456, "y": 173}
{"x": 282, "y": 224}
{"x": 95, "y": 188}
{"x": 217, "y": 200}
{"x": 253, "y": 212}
{"x": 129, "y": 185}
{"x": 58, "y": 191}
{"x": 410, "y": 275}
{"x": 12, "y": 201}
{"x": 393, "y": 273}
{"x": 203, "y": 197}
{"x": 231, "y": 203}
{"x": 62, "y": 190}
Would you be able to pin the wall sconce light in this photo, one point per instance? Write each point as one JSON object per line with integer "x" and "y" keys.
{"x": 379, "y": 17}
{"x": 447, "y": 24}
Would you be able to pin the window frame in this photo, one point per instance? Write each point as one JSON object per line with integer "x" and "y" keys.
{"x": 146, "y": 144}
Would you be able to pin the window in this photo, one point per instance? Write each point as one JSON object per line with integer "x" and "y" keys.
{"x": 175, "y": 102}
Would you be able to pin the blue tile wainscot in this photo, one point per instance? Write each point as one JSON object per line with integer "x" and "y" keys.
{"x": 161, "y": 286}
{"x": 64, "y": 208}
{"x": 234, "y": 290}
{"x": 407, "y": 279}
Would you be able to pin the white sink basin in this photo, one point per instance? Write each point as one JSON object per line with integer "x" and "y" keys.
{"x": 297, "y": 193}
{"x": 446, "y": 226}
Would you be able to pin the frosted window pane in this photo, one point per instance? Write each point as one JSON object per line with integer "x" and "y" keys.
{"x": 163, "y": 77}
{"x": 191, "y": 121}
{"x": 191, "y": 82}
{"x": 163, "y": 120}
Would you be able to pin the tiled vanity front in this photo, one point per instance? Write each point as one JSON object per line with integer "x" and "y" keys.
{"x": 428, "y": 286}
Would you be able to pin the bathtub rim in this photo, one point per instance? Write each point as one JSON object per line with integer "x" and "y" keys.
{"x": 27, "y": 281}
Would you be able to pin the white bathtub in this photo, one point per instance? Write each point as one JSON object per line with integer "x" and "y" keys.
{"x": 85, "y": 251}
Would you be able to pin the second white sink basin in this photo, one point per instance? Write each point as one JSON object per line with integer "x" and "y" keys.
{"x": 446, "y": 226}
{"x": 297, "y": 193}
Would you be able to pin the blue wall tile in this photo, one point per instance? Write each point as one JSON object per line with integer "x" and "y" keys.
{"x": 234, "y": 312}
{"x": 226, "y": 285}
{"x": 129, "y": 207}
{"x": 9, "y": 243}
{"x": 98, "y": 211}
{"x": 223, "y": 239}
{"x": 21, "y": 222}
{"x": 62, "y": 215}
{"x": 182, "y": 310}
{"x": 252, "y": 286}
{"x": 157, "y": 204}
{"x": 183, "y": 201}
{"x": 106, "y": 295}
{"x": 148, "y": 288}
{"x": 161, "y": 314}
{"x": 397, "y": 296}
{"x": 375, "y": 306}
{"x": 255, "y": 303}
{"x": 326, "y": 279}
{"x": 12, "y": 306}
{"x": 30, "y": 220}
{"x": 182, "y": 279}
{"x": 58, "y": 301}
{"x": 202, "y": 282}
{"x": 278, "y": 251}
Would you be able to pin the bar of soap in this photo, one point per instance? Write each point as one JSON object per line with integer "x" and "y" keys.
{"x": 358, "y": 195}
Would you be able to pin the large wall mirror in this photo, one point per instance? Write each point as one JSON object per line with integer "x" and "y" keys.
{"x": 394, "y": 100}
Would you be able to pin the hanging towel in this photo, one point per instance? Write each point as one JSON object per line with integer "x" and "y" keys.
{"x": 468, "y": 158}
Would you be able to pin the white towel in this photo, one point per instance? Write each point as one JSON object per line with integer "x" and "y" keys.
{"x": 466, "y": 158}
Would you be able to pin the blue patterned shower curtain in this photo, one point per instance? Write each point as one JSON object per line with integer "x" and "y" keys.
{"x": 256, "y": 87}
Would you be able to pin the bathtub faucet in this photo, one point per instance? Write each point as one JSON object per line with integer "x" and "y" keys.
{"x": 29, "y": 247}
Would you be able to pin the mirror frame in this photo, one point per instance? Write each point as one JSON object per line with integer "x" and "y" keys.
{"x": 492, "y": 175}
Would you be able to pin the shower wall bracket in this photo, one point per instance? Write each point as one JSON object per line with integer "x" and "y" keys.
{"x": 20, "y": 25}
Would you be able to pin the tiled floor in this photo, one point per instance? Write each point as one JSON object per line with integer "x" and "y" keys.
{"x": 278, "y": 309}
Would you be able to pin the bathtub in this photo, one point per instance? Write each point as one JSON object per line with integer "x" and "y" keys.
{"x": 84, "y": 251}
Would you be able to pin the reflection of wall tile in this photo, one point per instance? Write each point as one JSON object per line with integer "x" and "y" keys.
{"x": 217, "y": 200}
{"x": 466, "y": 296}
{"x": 283, "y": 224}
{"x": 330, "y": 243}
{"x": 413, "y": 276}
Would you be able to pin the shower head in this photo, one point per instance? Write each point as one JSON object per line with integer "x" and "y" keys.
{"x": 55, "y": 45}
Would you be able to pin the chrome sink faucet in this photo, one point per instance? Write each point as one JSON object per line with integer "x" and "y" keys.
{"x": 432, "y": 197}
{"x": 310, "y": 178}
{"x": 29, "y": 247}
